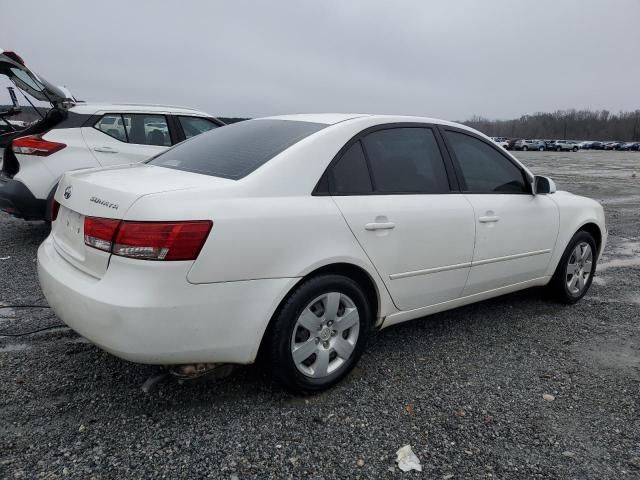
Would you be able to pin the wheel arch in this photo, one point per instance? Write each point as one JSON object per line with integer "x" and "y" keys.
{"x": 347, "y": 269}
{"x": 593, "y": 229}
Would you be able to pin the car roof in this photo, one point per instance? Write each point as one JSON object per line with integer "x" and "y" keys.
{"x": 91, "y": 108}
{"x": 334, "y": 118}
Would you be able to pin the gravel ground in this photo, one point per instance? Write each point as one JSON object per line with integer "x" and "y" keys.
{"x": 465, "y": 387}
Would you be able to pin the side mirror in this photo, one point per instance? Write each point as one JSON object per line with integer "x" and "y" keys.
{"x": 543, "y": 185}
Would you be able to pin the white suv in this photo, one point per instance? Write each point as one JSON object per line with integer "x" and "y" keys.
{"x": 74, "y": 135}
{"x": 565, "y": 145}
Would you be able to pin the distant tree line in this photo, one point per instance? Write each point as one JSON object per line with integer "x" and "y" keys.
{"x": 565, "y": 125}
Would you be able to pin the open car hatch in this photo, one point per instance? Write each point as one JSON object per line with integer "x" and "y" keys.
{"x": 15, "y": 69}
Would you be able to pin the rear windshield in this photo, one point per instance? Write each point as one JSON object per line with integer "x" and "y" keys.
{"x": 236, "y": 150}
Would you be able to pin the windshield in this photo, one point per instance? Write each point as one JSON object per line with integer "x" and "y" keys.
{"x": 236, "y": 150}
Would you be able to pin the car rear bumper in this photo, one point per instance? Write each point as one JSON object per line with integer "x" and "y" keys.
{"x": 148, "y": 312}
{"x": 16, "y": 199}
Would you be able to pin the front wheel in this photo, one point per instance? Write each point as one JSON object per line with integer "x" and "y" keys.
{"x": 541, "y": 149}
{"x": 575, "y": 149}
{"x": 575, "y": 271}
{"x": 525, "y": 148}
{"x": 319, "y": 333}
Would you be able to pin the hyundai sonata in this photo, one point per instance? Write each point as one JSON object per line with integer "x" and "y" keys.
{"x": 292, "y": 238}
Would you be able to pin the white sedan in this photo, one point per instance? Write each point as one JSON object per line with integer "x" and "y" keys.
{"x": 292, "y": 238}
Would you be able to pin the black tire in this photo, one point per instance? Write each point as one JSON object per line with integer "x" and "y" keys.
{"x": 541, "y": 149}
{"x": 525, "y": 148}
{"x": 575, "y": 149}
{"x": 281, "y": 331}
{"x": 558, "y": 286}
{"x": 559, "y": 149}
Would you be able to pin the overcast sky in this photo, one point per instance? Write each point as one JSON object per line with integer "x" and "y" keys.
{"x": 447, "y": 59}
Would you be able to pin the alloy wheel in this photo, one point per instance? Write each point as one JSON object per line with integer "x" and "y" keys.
{"x": 579, "y": 268}
{"x": 325, "y": 334}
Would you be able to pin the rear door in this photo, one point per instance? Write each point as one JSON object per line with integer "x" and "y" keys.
{"x": 119, "y": 138}
{"x": 392, "y": 187}
{"x": 516, "y": 231}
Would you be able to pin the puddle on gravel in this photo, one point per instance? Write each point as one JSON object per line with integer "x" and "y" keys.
{"x": 620, "y": 356}
{"x": 15, "y": 347}
{"x": 79, "y": 340}
{"x": 627, "y": 248}
{"x": 619, "y": 263}
{"x": 6, "y": 312}
{"x": 621, "y": 200}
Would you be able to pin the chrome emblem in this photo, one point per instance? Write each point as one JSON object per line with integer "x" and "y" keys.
{"x": 67, "y": 192}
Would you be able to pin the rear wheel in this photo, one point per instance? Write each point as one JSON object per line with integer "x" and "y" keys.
{"x": 525, "y": 148}
{"x": 319, "y": 333}
{"x": 574, "y": 273}
{"x": 575, "y": 149}
{"x": 541, "y": 149}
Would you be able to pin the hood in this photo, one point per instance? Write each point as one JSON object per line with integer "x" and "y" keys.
{"x": 15, "y": 69}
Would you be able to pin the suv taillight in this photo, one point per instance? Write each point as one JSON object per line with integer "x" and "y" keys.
{"x": 35, "y": 145}
{"x": 147, "y": 240}
{"x": 55, "y": 207}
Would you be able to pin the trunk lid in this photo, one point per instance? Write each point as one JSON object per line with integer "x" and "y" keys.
{"x": 12, "y": 66}
{"x": 109, "y": 193}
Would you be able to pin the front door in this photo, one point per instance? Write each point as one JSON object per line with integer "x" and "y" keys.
{"x": 516, "y": 231}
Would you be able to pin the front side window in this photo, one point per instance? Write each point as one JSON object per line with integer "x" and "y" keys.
{"x": 483, "y": 168}
{"x": 192, "y": 126}
{"x": 236, "y": 150}
{"x": 350, "y": 175}
{"x": 406, "y": 160}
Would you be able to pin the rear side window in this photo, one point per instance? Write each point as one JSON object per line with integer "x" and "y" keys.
{"x": 147, "y": 129}
{"x": 483, "y": 168}
{"x": 138, "y": 128}
{"x": 406, "y": 160}
{"x": 234, "y": 151}
{"x": 350, "y": 174}
{"x": 192, "y": 126}
{"x": 111, "y": 124}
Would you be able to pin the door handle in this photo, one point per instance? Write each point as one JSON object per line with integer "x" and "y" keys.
{"x": 489, "y": 219}
{"x": 105, "y": 150}
{"x": 379, "y": 226}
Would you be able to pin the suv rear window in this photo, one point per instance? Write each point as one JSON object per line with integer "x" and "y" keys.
{"x": 234, "y": 151}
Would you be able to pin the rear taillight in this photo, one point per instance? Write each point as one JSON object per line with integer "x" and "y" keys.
{"x": 99, "y": 232}
{"x": 147, "y": 240}
{"x": 35, "y": 145}
{"x": 55, "y": 208}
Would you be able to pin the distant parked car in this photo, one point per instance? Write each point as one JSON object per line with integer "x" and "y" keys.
{"x": 502, "y": 141}
{"x": 530, "y": 145}
{"x": 511, "y": 143}
{"x": 549, "y": 144}
{"x": 596, "y": 146}
{"x": 585, "y": 145}
{"x": 75, "y": 135}
{"x": 565, "y": 145}
{"x": 630, "y": 146}
{"x": 612, "y": 146}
